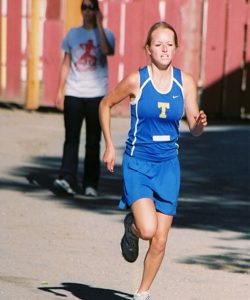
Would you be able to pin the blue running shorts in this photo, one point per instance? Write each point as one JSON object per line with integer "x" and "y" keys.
{"x": 159, "y": 181}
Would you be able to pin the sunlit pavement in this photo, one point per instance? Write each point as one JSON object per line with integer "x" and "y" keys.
{"x": 53, "y": 247}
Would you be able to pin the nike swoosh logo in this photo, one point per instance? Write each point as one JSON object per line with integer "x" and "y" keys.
{"x": 175, "y": 96}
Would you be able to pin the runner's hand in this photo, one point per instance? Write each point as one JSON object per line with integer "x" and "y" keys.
{"x": 201, "y": 120}
{"x": 109, "y": 159}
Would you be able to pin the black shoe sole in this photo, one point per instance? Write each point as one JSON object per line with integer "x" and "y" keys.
{"x": 128, "y": 258}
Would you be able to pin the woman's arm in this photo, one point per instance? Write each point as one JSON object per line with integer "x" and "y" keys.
{"x": 62, "y": 81}
{"x": 128, "y": 87}
{"x": 196, "y": 119}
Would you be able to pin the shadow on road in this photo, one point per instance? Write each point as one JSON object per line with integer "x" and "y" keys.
{"x": 233, "y": 260}
{"x": 82, "y": 291}
{"x": 214, "y": 192}
{"x": 214, "y": 186}
{"x": 215, "y": 180}
{"x": 38, "y": 175}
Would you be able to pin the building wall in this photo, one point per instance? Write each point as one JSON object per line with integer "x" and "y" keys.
{"x": 213, "y": 36}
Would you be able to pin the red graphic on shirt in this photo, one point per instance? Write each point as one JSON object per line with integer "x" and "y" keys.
{"x": 86, "y": 57}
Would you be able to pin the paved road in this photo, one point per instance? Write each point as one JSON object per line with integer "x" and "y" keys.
{"x": 55, "y": 248}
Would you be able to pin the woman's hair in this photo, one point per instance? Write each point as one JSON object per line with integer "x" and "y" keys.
{"x": 157, "y": 25}
{"x": 94, "y": 2}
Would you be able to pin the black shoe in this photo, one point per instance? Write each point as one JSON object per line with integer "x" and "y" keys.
{"x": 129, "y": 242}
{"x": 64, "y": 186}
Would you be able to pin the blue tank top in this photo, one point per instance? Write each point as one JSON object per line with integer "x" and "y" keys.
{"x": 155, "y": 116}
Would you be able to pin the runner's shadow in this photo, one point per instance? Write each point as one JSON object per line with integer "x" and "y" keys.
{"x": 86, "y": 292}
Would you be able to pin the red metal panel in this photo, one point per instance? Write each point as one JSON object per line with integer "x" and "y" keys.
{"x": 214, "y": 57}
{"x": 13, "y": 48}
{"x": 139, "y": 18}
{"x": 248, "y": 34}
{"x": 215, "y": 44}
{"x": 114, "y": 24}
{"x": 223, "y": 46}
{"x": 53, "y": 9}
{"x": 173, "y": 17}
{"x": 151, "y": 15}
{"x": 186, "y": 17}
{"x": 53, "y": 31}
{"x": 130, "y": 47}
{"x": 191, "y": 28}
{"x": 134, "y": 41}
{"x": 235, "y": 25}
{"x": 234, "y": 58}
{"x": 247, "y": 93}
{"x": 144, "y": 15}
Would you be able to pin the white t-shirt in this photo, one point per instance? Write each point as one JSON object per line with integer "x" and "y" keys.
{"x": 88, "y": 75}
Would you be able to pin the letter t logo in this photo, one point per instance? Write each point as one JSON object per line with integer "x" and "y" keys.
{"x": 163, "y": 107}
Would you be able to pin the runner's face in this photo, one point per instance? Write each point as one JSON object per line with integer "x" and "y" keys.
{"x": 162, "y": 47}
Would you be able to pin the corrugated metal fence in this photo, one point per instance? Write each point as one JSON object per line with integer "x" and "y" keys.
{"x": 214, "y": 41}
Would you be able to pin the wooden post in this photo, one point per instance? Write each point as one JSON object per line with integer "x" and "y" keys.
{"x": 73, "y": 16}
{"x": 32, "y": 99}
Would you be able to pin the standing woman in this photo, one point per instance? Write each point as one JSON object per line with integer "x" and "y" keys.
{"x": 84, "y": 71}
{"x": 159, "y": 95}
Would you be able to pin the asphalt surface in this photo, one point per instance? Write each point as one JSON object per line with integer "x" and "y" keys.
{"x": 53, "y": 247}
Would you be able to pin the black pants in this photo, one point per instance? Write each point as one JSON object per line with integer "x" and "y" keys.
{"x": 75, "y": 111}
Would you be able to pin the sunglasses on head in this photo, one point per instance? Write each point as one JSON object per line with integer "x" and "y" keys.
{"x": 91, "y": 6}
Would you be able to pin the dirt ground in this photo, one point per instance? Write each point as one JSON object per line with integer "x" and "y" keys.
{"x": 52, "y": 247}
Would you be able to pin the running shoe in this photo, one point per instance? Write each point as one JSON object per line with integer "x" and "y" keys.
{"x": 64, "y": 186}
{"x": 142, "y": 296}
{"x": 129, "y": 241}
